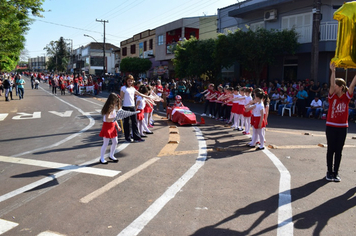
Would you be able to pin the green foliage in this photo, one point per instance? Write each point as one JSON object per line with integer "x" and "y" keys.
{"x": 135, "y": 65}
{"x": 58, "y": 53}
{"x": 252, "y": 49}
{"x": 197, "y": 57}
{"x": 14, "y": 23}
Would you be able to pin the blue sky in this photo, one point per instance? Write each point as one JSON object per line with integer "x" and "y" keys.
{"x": 72, "y": 19}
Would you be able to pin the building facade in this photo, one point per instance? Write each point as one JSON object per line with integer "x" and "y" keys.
{"x": 286, "y": 14}
{"x": 37, "y": 64}
{"x": 141, "y": 45}
{"x": 168, "y": 35}
{"x": 90, "y": 59}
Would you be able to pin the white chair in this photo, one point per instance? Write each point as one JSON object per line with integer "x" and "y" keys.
{"x": 290, "y": 109}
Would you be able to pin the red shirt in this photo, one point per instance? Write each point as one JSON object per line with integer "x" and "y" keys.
{"x": 338, "y": 113}
{"x": 166, "y": 92}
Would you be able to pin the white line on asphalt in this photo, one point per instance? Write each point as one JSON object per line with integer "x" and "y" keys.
{"x": 117, "y": 181}
{"x": 53, "y": 177}
{"x": 61, "y": 173}
{"x": 3, "y": 116}
{"x": 139, "y": 223}
{"x": 285, "y": 224}
{"x": 50, "y": 233}
{"x": 60, "y": 166}
{"x": 6, "y": 225}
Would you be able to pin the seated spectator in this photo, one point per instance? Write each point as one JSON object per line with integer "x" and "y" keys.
{"x": 316, "y": 107}
{"x": 287, "y": 102}
{"x": 325, "y": 109}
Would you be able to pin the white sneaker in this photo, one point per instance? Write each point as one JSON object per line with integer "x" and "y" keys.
{"x": 209, "y": 115}
{"x": 203, "y": 114}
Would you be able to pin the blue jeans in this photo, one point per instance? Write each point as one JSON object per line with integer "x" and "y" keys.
{"x": 315, "y": 110}
{"x": 21, "y": 92}
{"x": 280, "y": 107}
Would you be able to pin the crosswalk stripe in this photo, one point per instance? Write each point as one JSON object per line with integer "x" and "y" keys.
{"x": 6, "y": 225}
{"x": 60, "y": 166}
{"x": 50, "y": 233}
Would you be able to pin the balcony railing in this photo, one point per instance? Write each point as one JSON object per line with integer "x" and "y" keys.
{"x": 328, "y": 32}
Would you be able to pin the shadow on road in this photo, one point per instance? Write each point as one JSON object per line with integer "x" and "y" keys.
{"x": 270, "y": 205}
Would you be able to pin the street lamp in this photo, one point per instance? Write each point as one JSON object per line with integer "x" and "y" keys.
{"x": 90, "y": 37}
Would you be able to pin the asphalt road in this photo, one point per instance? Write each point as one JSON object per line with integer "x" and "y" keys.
{"x": 185, "y": 180}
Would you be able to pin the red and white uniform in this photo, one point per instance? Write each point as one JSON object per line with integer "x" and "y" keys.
{"x": 108, "y": 129}
{"x": 247, "y": 100}
{"x": 338, "y": 113}
{"x": 140, "y": 107}
{"x": 257, "y": 115}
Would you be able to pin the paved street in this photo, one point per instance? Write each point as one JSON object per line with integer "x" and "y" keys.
{"x": 184, "y": 180}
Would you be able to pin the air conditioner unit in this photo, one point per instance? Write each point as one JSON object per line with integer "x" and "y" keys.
{"x": 270, "y": 15}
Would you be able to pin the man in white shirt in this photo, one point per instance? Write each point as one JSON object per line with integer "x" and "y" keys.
{"x": 316, "y": 107}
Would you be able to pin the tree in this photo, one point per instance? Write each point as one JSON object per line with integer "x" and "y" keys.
{"x": 58, "y": 53}
{"x": 195, "y": 57}
{"x": 135, "y": 65}
{"x": 256, "y": 49}
{"x": 15, "y": 21}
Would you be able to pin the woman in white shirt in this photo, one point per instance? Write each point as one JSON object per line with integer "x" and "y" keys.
{"x": 127, "y": 95}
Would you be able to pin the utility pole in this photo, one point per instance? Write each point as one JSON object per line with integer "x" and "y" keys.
{"x": 315, "y": 40}
{"x": 103, "y": 21}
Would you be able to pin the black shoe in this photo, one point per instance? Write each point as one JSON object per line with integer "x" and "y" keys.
{"x": 143, "y": 136}
{"x": 260, "y": 148}
{"x": 336, "y": 177}
{"x": 114, "y": 159}
{"x": 139, "y": 140}
{"x": 103, "y": 162}
{"x": 329, "y": 177}
{"x": 148, "y": 132}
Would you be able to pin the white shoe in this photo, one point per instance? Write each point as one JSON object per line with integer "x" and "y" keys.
{"x": 213, "y": 117}
{"x": 209, "y": 115}
{"x": 203, "y": 114}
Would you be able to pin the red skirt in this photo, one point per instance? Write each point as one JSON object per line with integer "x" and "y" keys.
{"x": 252, "y": 119}
{"x": 140, "y": 115}
{"x": 256, "y": 122}
{"x": 248, "y": 113}
{"x": 147, "y": 109}
{"x": 108, "y": 130}
{"x": 240, "y": 109}
{"x": 234, "y": 108}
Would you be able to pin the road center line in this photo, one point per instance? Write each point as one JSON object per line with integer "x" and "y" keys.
{"x": 285, "y": 224}
{"x": 117, "y": 181}
{"x": 60, "y": 166}
{"x": 138, "y": 224}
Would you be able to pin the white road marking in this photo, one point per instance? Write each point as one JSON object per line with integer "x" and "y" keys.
{"x": 62, "y": 114}
{"x": 61, "y": 173}
{"x": 50, "y": 233}
{"x": 139, "y": 223}
{"x": 54, "y": 176}
{"x": 3, "y": 116}
{"x": 6, "y": 225}
{"x": 117, "y": 181}
{"x": 285, "y": 223}
{"x": 60, "y": 166}
{"x": 27, "y": 116}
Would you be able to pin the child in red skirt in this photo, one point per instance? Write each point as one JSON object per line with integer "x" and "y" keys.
{"x": 108, "y": 131}
{"x": 258, "y": 120}
{"x": 140, "y": 106}
{"x": 247, "y": 114}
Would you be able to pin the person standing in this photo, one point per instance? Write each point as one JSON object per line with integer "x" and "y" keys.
{"x": 127, "y": 94}
{"x": 337, "y": 122}
{"x": 20, "y": 85}
{"x": 108, "y": 130}
{"x": 302, "y": 95}
{"x": 6, "y": 84}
